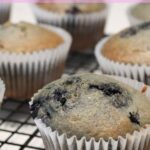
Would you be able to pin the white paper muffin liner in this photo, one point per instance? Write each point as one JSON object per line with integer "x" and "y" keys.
{"x": 139, "y": 140}
{"x": 133, "y": 19}
{"x": 25, "y": 73}
{"x": 138, "y": 72}
{"x": 86, "y": 29}
{"x": 2, "y": 91}
{"x": 4, "y": 12}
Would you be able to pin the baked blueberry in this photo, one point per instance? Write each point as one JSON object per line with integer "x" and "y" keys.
{"x": 73, "y": 10}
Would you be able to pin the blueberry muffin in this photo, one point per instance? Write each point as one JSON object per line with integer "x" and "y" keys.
{"x": 31, "y": 56}
{"x": 85, "y": 22}
{"x": 130, "y": 46}
{"x": 25, "y": 37}
{"x": 140, "y": 13}
{"x": 92, "y": 106}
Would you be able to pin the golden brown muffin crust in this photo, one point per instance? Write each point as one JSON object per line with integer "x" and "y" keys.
{"x": 24, "y": 37}
{"x": 72, "y": 8}
{"x": 131, "y": 45}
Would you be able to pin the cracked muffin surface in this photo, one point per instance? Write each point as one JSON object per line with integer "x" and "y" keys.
{"x": 92, "y": 106}
{"x": 129, "y": 45}
{"x": 25, "y": 37}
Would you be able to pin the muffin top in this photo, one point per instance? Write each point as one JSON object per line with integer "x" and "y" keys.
{"x": 25, "y": 37}
{"x": 131, "y": 45}
{"x": 72, "y": 8}
{"x": 141, "y": 11}
{"x": 92, "y": 106}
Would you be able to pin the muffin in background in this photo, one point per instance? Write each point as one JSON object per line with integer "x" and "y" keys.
{"x": 85, "y": 22}
{"x": 127, "y": 53}
{"x": 2, "y": 91}
{"x": 139, "y": 13}
{"x": 31, "y": 56}
{"x": 95, "y": 109}
{"x": 4, "y": 12}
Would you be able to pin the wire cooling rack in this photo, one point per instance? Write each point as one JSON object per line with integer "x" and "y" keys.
{"x": 17, "y": 129}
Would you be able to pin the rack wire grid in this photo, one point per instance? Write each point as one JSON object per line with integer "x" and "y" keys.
{"x": 17, "y": 129}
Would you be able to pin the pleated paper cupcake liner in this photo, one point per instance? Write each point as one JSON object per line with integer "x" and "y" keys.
{"x": 137, "y": 72}
{"x": 2, "y": 91}
{"x": 86, "y": 29}
{"x": 138, "y": 140}
{"x": 4, "y": 12}
{"x": 26, "y": 73}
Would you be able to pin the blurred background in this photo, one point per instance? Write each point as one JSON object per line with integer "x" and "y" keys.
{"x": 17, "y": 129}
